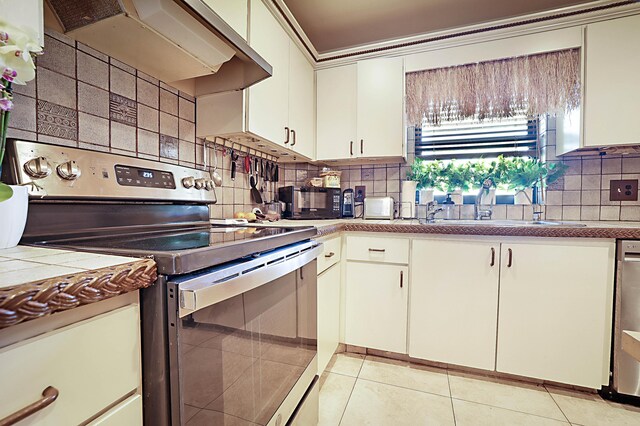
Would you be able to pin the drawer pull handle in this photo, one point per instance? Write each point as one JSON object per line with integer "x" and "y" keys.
{"x": 331, "y": 254}
{"x": 377, "y": 250}
{"x": 401, "y": 278}
{"x": 49, "y": 395}
{"x": 493, "y": 257}
{"x": 286, "y": 131}
{"x": 351, "y": 148}
{"x": 510, "y": 260}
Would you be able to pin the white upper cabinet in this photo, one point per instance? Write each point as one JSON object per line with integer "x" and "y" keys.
{"x": 302, "y": 91}
{"x": 336, "y": 113}
{"x": 233, "y": 12}
{"x": 360, "y": 110}
{"x": 612, "y": 86}
{"x": 28, "y": 14}
{"x": 268, "y": 100}
{"x": 554, "y": 319}
{"x": 380, "y": 109}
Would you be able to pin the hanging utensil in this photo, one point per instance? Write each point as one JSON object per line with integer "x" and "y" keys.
{"x": 247, "y": 164}
{"x": 217, "y": 179}
{"x": 234, "y": 158}
{"x": 255, "y": 194}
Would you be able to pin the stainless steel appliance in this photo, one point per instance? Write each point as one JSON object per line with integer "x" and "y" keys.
{"x": 379, "y": 208}
{"x": 625, "y": 368}
{"x": 310, "y": 203}
{"x": 229, "y": 328}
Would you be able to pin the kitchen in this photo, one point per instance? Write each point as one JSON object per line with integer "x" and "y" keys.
{"x": 146, "y": 288}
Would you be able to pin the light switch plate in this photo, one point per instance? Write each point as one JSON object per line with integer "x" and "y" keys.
{"x": 623, "y": 190}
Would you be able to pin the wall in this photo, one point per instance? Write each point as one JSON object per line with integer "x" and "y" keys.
{"x": 83, "y": 98}
{"x": 582, "y": 194}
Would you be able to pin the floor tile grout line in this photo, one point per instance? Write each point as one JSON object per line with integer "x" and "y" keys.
{"x": 404, "y": 387}
{"x": 558, "y": 405}
{"x": 514, "y": 411}
{"x": 453, "y": 410}
{"x": 344, "y": 410}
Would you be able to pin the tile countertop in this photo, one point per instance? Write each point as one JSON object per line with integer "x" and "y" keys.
{"x": 36, "y": 281}
{"x": 614, "y": 230}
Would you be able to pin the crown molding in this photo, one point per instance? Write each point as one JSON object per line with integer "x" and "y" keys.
{"x": 565, "y": 17}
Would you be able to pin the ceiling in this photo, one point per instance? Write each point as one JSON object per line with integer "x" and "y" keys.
{"x": 337, "y": 24}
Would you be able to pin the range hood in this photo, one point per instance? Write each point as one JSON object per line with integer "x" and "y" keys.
{"x": 176, "y": 41}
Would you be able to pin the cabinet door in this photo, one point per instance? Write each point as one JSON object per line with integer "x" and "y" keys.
{"x": 336, "y": 113}
{"x": 454, "y": 302}
{"x": 328, "y": 315}
{"x": 555, "y": 311}
{"x": 376, "y": 306}
{"x": 301, "y": 102}
{"x": 234, "y": 13}
{"x": 380, "y": 98}
{"x": 268, "y": 109}
{"x": 612, "y": 87}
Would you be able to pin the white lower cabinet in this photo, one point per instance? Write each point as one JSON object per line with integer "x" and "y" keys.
{"x": 376, "y": 306}
{"x": 454, "y": 302}
{"x": 128, "y": 412}
{"x": 555, "y": 309}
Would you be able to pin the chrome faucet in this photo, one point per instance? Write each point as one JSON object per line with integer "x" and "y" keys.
{"x": 432, "y": 210}
{"x": 479, "y": 212}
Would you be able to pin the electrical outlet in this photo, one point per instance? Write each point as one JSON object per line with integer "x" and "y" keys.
{"x": 623, "y": 190}
{"x": 361, "y": 192}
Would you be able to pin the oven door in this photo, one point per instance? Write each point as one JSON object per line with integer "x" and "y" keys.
{"x": 243, "y": 339}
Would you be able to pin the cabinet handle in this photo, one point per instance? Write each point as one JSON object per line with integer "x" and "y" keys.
{"x": 493, "y": 257}
{"x": 377, "y": 250}
{"x": 351, "y": 148}
{"x": 293, "y": 133}
{"x": 286, "y": 130}
{"x": 49, "y": 395}
{"x": 401, "y": 278}
{"x": 331, "y": 254}
{"x": 361, "y": 146}
{"x": 510, "y": 258}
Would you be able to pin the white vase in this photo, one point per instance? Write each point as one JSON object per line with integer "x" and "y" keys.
{"x": 13, "y": 217}
{"x": 520, "y": 197}
{"x": 456, "y": 196}
{"x": 426, "y": 195}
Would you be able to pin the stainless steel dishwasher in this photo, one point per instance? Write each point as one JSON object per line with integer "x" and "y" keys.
{"x": 626, "y": 369}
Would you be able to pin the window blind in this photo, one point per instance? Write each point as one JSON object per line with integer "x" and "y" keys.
{"x": 515, "y": 136}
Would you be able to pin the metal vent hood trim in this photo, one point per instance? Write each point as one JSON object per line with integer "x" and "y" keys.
{"x": 112, "y": 26}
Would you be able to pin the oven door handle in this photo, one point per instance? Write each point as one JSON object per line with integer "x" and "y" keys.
{"x": 208, "y": 289}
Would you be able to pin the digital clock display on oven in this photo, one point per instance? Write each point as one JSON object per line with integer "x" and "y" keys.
{"x": 147, "y": 178}
{"x": 147, "y": 174}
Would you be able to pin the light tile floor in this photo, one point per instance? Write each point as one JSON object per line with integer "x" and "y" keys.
{"x": 365, "y": 390}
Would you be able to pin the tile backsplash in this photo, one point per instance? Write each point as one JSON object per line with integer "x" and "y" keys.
{"x": 86, "y": 99}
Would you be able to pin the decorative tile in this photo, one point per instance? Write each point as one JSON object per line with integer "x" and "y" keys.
{"x": 56, "y": 88}
{"x": 123, "y": 136}
{"x": 58, "y": 57}
{"x": 168, "y": 147}
{"x": 57, "y": 120}
{"x": 93, "y": 71}
{"x": 23, "y": 115}
{"x": 93, "y": 130}
{"x": 93, "y": 100}
{"x": 123, "y": 110}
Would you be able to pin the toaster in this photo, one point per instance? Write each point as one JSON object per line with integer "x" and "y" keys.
{"x": 378, "y": 208}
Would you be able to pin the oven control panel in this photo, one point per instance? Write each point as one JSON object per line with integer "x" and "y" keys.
{"x": 61, "y": 172}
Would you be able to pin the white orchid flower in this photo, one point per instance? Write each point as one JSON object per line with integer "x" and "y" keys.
{"x": 16, "y": 48}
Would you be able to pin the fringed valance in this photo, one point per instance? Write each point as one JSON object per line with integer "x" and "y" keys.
{"x": 536, "y": 84}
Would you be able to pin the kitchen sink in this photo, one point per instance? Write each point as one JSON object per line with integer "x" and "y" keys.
{"x": 506, "y": 223}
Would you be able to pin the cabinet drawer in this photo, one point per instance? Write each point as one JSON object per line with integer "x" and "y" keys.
{"x": 331, "y": 254}
{"x": 128, "y": 412}
{"x": 376, "y": 249}
{"x": 92, "y": 364}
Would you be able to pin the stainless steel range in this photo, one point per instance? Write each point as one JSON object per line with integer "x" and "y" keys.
{"x": 229, "y": 328}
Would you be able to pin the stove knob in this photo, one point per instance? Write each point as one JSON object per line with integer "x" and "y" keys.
{"x": 209, "y": 185}
{"x": 37, "y": 168}
{"x": 200, "y": 183}
{"x": 188, "y": 182}
{"x": 69, "y": 170}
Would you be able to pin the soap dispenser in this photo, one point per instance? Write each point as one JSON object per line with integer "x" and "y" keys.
{"x": 448, "y": 208}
